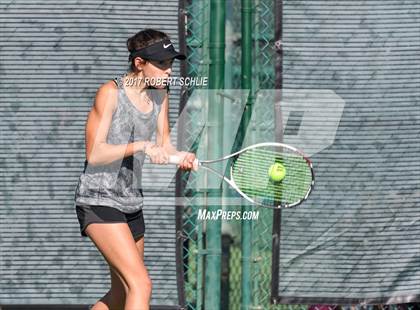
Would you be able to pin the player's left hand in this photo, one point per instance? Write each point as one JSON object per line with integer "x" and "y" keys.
{"x": 187, "y": 162}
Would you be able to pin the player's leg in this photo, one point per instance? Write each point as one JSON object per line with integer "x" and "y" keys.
{"x": 117, "y": 245}
{"x": 140, "y": 248}
{"x": 114, "y": 299}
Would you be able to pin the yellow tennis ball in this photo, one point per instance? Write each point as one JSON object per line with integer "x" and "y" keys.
{"x": 277, "y": 172}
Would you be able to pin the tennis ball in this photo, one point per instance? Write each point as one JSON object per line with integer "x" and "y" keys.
{"x": 277, "y": 172}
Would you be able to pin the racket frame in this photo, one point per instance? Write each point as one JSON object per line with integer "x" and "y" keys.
{"x": 232, "y": 183}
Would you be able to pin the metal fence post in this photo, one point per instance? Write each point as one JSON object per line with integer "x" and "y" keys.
{"x": 246, "y": 83}
{"x": 215, "y": 133}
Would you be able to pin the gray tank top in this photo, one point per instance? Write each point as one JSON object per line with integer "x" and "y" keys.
{"x": 118, "y": 184}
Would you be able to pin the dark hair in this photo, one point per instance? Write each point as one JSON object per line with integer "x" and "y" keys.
{"x": 142, "y": 39}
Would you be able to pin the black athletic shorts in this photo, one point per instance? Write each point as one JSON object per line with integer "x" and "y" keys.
{"x": 102, "y": 214}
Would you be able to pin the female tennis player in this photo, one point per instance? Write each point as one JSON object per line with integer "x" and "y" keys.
{"x": 126, "y": 113}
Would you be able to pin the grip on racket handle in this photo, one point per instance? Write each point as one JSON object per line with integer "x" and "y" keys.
{"x": 174, "y": 159}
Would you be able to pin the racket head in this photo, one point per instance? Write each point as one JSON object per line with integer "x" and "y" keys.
{"x": 251, "y": 176}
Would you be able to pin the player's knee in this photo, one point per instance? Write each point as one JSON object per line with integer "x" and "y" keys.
{"x": 140, "y": 284}
{"x": 148, "y": 284}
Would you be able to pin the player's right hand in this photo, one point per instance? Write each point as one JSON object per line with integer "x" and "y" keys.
{"x": 157, "y": 154}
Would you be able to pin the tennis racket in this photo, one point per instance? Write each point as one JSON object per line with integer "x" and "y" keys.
{"x": 272, "y": 175}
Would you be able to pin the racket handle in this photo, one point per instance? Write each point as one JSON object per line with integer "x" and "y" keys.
{"x": 174, "y": 159}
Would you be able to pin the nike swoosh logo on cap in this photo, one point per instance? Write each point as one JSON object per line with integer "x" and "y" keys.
{"x": 166, "y": 46}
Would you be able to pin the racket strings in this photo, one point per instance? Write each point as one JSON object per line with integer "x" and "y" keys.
{"x": 251, "y": 175}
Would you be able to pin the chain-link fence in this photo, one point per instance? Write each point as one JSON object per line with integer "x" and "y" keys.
{"x": 196, "y": 24}
{"x": 197, "y": 28}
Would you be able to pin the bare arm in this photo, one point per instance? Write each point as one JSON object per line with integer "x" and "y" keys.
{"x": 163, "y": 137}
{"x": 98, "y": 152}
{"x": 163, "y": 133}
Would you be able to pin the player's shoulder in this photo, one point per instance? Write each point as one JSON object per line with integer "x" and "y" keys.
{"x": 107, "y": 96}
{"x": 108, "y": 87}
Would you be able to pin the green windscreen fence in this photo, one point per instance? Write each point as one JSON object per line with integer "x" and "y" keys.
{"x": 357, "y": 238}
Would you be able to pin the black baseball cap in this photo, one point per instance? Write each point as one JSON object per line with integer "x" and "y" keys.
{"x": 158, "y": 51}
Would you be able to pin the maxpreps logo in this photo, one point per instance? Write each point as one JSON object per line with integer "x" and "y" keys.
{"x": 227, "y": 215}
